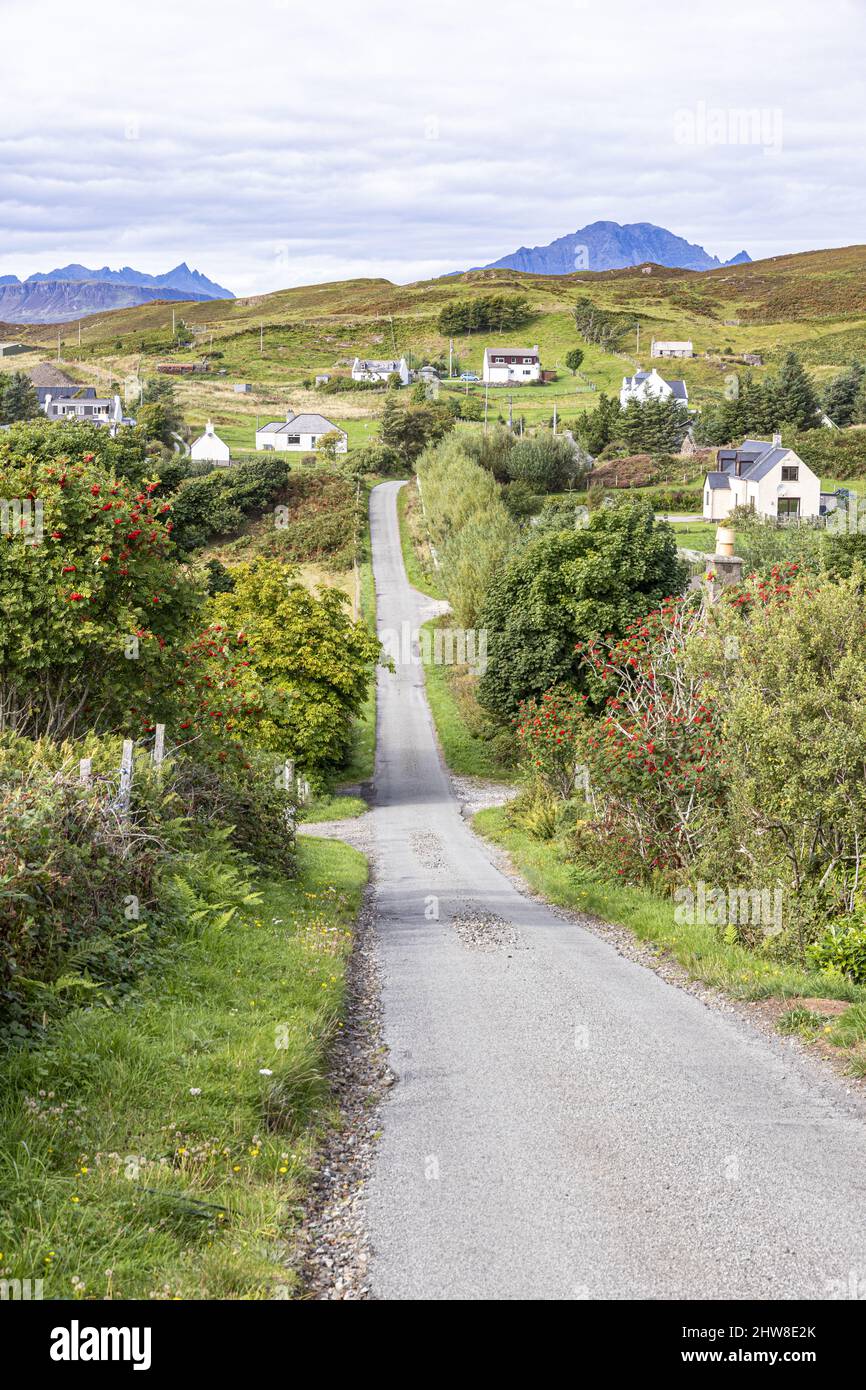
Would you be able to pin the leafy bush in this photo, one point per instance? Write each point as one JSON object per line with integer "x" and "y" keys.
{"x": 283, "y": 668}
{"x": 550, "y": 736}
{"x": 217, "y": 504}
{"x": 96, "y": 611}
{"x": 546, "y": 462}
{"x": 841, "y": 950}
{"x": 69, "y": 870}
{"x": 565, "y": 587}
{"x": 250, "y": 798}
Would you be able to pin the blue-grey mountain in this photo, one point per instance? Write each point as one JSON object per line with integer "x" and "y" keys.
{"x": 612, "y": 246}
{"x": 74, "y": 291}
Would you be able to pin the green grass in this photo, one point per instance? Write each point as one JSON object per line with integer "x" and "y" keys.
{"x": 696, "y": 535}
{"x": 697, "y": 948}
{"x": 143, "y": 1152}
{"x": 421, "y": 576}
{"x": 334, "y": 806}
{"x": 455, "y": 712}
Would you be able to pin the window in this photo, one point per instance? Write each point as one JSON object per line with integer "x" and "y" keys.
{"x": 293, "y": 439}
{"x": 789, "y": 506}
{"x": 790, "y": 473}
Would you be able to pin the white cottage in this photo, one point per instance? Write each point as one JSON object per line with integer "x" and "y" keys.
{"x": 772, "y": 480}
{"x": 511, "y": 366}
{"x": 299, "y": 434}
{"x": 380, "y": 369}
{"x": 662, "y": 348}
{"x": 209, "y": 448}
{"x": 645, "y": 386}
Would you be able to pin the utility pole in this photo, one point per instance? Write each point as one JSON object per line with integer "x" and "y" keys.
{"x": 261, "y": 339}
{"x": 554, "y": 417}
{"x": 638, "y": 340}
{"x": 450, "y": 358}
{"x": 511, "y": 414}
{"x": 486, "y": 394}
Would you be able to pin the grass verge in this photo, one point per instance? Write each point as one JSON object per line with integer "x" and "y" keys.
{"x": 698, "y": 948}
{"x": 161, "y": 1150}
{"x": 471, "y": 745}
{"x": 417, "y": 557}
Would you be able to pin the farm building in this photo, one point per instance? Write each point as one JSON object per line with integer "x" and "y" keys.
{"x": 511, "y": 366}
{"x": 662, "y": 348}
{"x": 299, "y": 433}
{"x": 772, "y": 480}
{"x": 209, "y": 447}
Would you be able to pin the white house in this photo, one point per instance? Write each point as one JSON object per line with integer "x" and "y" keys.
{"x": 299, "y": 433}
{"x": 772, "y": 480}
{"x": 210, "y": 447}
{"x": 379, "y": 369}
{"x": 671, "y": 349}
{"x": 644, "y": 386}
{"x": 86, "y": 405}
{"x": 511, "y": 366}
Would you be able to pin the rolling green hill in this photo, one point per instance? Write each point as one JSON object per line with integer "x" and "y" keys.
{"x": 815, "y": 302}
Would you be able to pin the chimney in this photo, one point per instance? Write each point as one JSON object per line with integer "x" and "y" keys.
{"x": 777, "y": 441}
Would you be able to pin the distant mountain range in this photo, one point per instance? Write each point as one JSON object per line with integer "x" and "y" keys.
{"x": 73, "y": 291}
{"x": 611, "y": 246}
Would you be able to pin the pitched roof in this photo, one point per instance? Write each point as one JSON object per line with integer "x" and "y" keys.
{"x": 715, "y": 480}
{"x": 65, "y": 393}
{"x": 678, "y": 386}
{"x": 511, "y": 351}
{"x": 301, "y": 424}
{"x": 756, "y": 458}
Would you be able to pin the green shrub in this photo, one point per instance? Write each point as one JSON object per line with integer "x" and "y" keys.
{"x": 546, "y": 462}
{"x": 841, "y": 951}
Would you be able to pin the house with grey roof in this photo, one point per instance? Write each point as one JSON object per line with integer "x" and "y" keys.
{"x": 645, "y": 386}
{"x": 299, "y": 434}
{"x": 84, "y": 404}
{"x": 380, "y": 369}
{"x": 765, "y": 476}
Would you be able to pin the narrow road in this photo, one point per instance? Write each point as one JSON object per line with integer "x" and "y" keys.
{"x": 566, "y": 1124}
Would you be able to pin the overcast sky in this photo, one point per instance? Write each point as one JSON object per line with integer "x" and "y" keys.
{"x": 275, "y": 143}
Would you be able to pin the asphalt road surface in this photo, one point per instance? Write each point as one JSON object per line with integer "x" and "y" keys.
{"x": 566, "y": 1124}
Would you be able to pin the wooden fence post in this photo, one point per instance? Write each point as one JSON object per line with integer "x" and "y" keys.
{"x": 159, "y": 745}
{"x": 125, "y": 775}
{"x": 85, "y": 768}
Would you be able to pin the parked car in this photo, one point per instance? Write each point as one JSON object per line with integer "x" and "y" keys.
{"x": 469, "y": 376}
